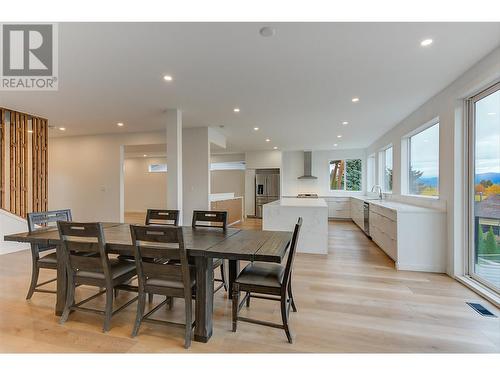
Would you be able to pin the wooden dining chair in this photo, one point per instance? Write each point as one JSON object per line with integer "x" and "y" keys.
{"x": 170, "y": 280}
{"x": 270, "y": 281}
{"x": 213, "y": 219}
{"x": 162, "y": 217}
{"x": 107, "y": 274}
{"x": 40, "y": 221}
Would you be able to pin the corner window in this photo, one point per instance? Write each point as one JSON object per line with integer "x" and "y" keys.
{"x": 423, "y": 162}
{"x": 386, "y": 169}
{"x": 345, "y": 175}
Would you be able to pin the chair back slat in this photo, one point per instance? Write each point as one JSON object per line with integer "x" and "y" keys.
{"x": 219, "y": 218}
{"x": 162, "y": 217}
{"x": 160, "y": 242}
{"x": 80, "y": 239}
{"x": 39, "y": 220}
{"x": 291, "y": 253}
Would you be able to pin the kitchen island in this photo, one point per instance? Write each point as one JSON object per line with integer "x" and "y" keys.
{"x": 282, "y": 215}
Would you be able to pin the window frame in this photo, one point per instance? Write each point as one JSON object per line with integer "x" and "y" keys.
{"x": 345, "y": 175}
{"x": 406, "y": 143}
{"x": 469, "y": 175}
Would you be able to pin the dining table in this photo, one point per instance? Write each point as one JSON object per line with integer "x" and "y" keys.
{"x": 203, "y": 244}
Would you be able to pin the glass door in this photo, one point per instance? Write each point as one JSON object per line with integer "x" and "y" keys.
{"x": 484, "y": 191}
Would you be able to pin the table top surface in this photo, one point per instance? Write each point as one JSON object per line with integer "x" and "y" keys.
{"x": 241, "y": 244}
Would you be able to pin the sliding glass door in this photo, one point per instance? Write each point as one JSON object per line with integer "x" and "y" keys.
{"x": 484, "y": 191}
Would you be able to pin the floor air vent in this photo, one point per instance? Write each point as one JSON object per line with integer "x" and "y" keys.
{"x": 480, "y": 309}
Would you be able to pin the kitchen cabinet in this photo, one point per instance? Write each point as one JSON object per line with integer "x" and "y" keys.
{"x": 357, "y": 212}
{"x": 338, "y": 207}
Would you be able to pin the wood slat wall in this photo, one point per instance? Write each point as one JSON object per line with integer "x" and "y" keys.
{"x": 20, "y": 202}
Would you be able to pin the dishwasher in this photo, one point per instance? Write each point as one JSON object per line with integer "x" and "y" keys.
{"x": 366, "y": 213}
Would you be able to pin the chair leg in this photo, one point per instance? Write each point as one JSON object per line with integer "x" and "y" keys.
{"x": 116, "y": 293}
{"x": 189, "y": 322}
{"x": 70, "y": 298}
{"x": 248, "y": 299}
{"x": 170, "y": 303}
{"x": 223, "y": 276}
{"x": 109, "y": 308}
{"x": 34, "y": 279}
{"x": 284, "y": 317}
{"x": 140, "y": 313}
{"x": 236, "y": 302}
{"x": 150, "y": 297}
{"x": 290, "y": 295}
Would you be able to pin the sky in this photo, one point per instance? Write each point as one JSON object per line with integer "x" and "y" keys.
{"x": 424, "y": 151}
{"x": 488, "y": 134}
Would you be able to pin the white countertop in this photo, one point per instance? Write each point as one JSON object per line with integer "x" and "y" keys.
{"x": 397, "y": 206}
{"x": 222, "y": 197}
{"x": 300, "y": 202}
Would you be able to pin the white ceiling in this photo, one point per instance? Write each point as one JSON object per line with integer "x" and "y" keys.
{"x": 296, "y": 86}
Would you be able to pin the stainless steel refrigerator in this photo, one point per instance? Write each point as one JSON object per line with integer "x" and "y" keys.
{"x": 267, "y": 188}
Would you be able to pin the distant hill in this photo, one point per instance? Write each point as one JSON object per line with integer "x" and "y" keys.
{"x": 494, "y": 177}
{"x": 429, "y": 181}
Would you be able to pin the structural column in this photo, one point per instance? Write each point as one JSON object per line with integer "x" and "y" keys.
{"x": 174, "y": 161}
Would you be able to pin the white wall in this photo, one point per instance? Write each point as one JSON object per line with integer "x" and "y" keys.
{"x": 143, "y": 189}
{"x": 10, "y": 224}
{"x": 85, "y": 173}
{"x": 448, "y": 105}
{"x": 293, "y": 167}
{"x": 230, "y": 181}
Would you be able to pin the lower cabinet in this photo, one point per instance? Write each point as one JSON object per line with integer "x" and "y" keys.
{"x": 383, "y": 231}
{"x": 357, "y": 212}
{"x": 339, "y": 207}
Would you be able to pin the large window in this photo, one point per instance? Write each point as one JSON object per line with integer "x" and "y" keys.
{"x": 386, "y": 169}
{"x": 484, "y": 191}
{"x": 370, "y": 172}
{"x": 345, "y": 175}
{"x": 423, "y": 162}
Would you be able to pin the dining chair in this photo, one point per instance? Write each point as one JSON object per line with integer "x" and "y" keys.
{"x": 270, "y": 281}
{"x": 213, "y": 219}
{"x": 40, "y": 221}
{"x": 162, "y": 217}
{"x": 107, "y": 274}
{"x": 167, "y": 279}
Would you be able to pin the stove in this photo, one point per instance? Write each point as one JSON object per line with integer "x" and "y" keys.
{"x": 307, "y": 195}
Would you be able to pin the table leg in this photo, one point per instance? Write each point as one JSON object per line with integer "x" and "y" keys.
{"x": 234, "y": 270}
{"x": 204, "y": 298}
{"x": 62, "y": 281}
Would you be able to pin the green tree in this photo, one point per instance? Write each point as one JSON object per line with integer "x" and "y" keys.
{"x": 486, "y": 183}
{"x": 416, "y": 186}
{"x": 490, "y": 242}
{"x": 480, "y": 240}
{"x": 353, "y": 174}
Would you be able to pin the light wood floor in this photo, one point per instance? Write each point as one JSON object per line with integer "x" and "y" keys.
{"x": 352, "y": 300}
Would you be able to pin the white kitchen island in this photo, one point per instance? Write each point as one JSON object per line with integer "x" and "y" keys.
{"x": 284, "y": 213}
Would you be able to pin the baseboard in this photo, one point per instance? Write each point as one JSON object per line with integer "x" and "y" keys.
{"x": 420, "y": 268}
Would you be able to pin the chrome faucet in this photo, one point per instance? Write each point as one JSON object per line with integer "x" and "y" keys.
{"x": 377, "y": 188}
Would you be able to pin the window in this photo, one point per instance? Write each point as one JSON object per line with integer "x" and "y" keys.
{"x": 386, "y": 169}
{"x": 345, "y": 175}
{"x": 423, "y": 162}
{"x": 484, "y": 187}
{"x": 228, "y": 166}
{"x": 157, "y": 168}
{"x": 370, "y": 171}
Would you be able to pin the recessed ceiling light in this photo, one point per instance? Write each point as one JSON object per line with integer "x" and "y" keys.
{"x": 355, "y": 100}
{"x": 339, "y": 136}
{"x": 62, "y": 129}
{"x": 275, "y": 147}
{"x": 236, "y": 110}
{"x": 267, "y": 31}
{"x": 335, "y": 145}
{"x": 256, "y": 128}
{"x": 120, "y": 124}
{"x": 426, "y": 42}
{"x": 345, "y": 123}
{"x": 144, "y": 155}
{"x": 268, "y": 140}
{"x": 167, "y": 78}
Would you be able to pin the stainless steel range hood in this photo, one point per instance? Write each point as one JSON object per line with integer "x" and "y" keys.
{"x": 307, "y": 167}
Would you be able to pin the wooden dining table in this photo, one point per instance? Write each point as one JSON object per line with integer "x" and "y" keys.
{"x": 203, "y": 244}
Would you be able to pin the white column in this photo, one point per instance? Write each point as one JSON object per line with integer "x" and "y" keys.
{"x": 174, "y": 161}
{"x": 196, "y": 166}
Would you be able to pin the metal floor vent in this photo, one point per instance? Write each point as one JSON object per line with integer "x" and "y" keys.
{"x": 481, "y": 310}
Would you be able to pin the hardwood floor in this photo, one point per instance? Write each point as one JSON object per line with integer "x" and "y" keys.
{"x": 352, "y": 300}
